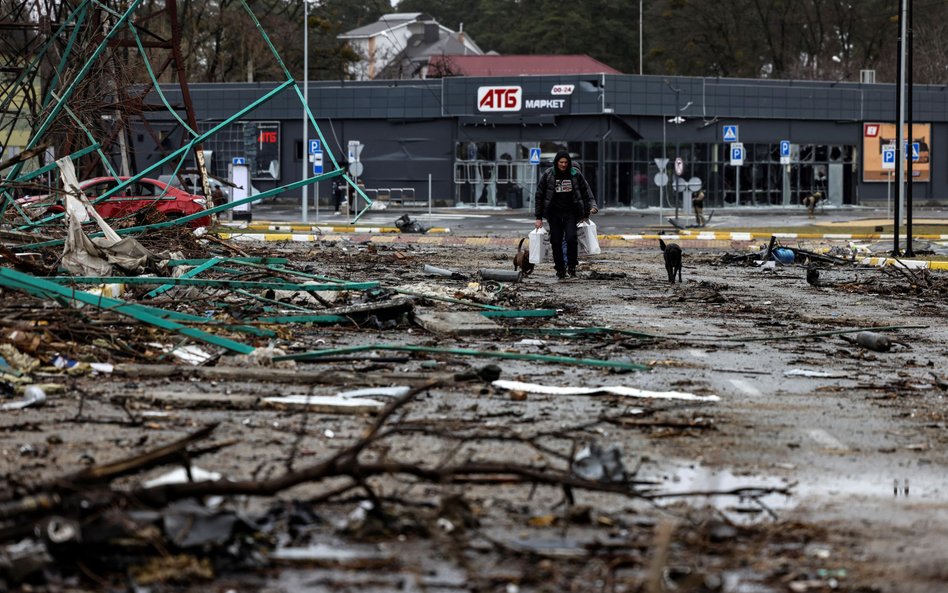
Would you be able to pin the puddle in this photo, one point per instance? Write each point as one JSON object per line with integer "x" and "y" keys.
{"x": 752, "y": 504}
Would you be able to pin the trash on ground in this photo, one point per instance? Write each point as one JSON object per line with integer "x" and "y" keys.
{"x": 596, "y": 464}
{"x": 33, "y": 395}
{"x": 610, "y": 389}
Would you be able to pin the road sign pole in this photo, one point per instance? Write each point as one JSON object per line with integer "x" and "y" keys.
{"x": 737, "y": 185}
{"x": 888, "y": 194}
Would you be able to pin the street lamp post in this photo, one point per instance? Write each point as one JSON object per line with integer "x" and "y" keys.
{"x": 305, "y": 201}
{"x": 640, "y": 37}
{"x": 678, "y": 119}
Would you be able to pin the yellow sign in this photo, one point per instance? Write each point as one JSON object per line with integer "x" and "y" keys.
{"x": 876, "y": 136}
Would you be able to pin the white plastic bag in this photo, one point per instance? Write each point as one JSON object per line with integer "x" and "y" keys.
{"x": 538, "y": 243}
{"x": 588, "y": 241}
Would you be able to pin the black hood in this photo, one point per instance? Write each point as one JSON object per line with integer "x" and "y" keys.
{"x": 560, "y": 154}
{"x": 569, "y": 163}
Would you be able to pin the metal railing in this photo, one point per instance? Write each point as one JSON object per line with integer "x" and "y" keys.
{"x": 392, "y": 195}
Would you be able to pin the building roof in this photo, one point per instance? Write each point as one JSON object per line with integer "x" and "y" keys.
{"x": 386, "y": 22}
{"x": 418, "y": 51}
{"x": 519, "y": 65}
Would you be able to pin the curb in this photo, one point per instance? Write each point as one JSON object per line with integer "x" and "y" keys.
{"x": 915, "y": 264}
{"x": 751, "y": 236}
{"x": 292, "y": 228}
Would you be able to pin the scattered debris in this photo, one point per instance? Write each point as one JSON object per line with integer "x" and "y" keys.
{"x": 405, "y": 224}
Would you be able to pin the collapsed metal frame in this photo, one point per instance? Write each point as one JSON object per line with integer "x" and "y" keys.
{"x": 74, "y": 35}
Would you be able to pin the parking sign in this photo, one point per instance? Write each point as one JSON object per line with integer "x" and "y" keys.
{"x": 784, "y": 152}
{"x": 888, "y": 157}
{"x": 737, "y": 154}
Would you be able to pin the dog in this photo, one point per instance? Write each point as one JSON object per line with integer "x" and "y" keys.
{"x": 672, "y": 253}
{"x": 811, "y": 201}
{"x": 521, "y": 260}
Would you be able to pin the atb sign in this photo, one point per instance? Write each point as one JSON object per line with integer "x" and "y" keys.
{"x": 737, "y": 154}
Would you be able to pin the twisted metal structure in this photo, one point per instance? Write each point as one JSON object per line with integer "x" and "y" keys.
{"x": 75, "y": 76}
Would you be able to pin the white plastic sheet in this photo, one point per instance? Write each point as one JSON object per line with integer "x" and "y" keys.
{"x": 621, "y": 390}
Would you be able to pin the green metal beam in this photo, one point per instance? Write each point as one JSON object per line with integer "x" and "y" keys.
{"x": 247, "y": 284}
{"x": 38, "y": 285}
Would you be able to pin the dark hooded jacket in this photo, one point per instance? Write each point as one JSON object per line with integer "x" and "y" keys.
{"x": 583, "y": 199}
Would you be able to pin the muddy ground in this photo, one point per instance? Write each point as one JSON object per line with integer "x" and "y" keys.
{"x": 821, "y": 467}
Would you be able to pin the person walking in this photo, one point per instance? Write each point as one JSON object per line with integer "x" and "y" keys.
{"x": 697, "y": 202}
{"x": 563, "y": 197}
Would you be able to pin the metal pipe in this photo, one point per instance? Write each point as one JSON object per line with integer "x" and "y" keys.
{"x": 900, "y": 132}
{"x": 909, "y": 252}
{"x": 305, "y": 199}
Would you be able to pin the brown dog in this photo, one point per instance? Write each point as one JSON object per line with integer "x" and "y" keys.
{"x": 811, "y": 201}
{"x": 672, "y": 254}
{"x": 521, "y": 260}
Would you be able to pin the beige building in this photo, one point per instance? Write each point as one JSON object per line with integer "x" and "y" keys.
{"x": 399, "y": 45}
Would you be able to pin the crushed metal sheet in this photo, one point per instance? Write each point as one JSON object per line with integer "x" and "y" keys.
{"x": 611, "y": 389}
{"x": 188, "y": 353}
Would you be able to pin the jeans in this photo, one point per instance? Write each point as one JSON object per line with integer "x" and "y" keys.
{"x": 563, "y": 224}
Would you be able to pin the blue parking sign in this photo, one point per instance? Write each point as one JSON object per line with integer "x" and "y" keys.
{"x": 737, "y": 154}
{"x": 314, "y": 146}
{"x": 784, "y": 148}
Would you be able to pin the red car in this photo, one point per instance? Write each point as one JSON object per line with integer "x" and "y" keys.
{"x": 174, "y": 203}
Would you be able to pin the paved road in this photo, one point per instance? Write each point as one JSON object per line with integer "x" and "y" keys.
{"x": 468, "y": 220}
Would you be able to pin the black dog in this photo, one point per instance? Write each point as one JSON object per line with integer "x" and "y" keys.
{"x": 672, "y": 260}
{"x": 522, "y": 259}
